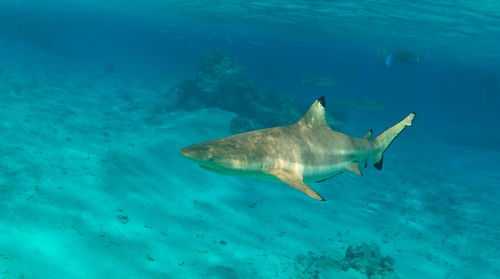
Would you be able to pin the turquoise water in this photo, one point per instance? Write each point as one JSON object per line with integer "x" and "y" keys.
{"x": 97, "y": 98}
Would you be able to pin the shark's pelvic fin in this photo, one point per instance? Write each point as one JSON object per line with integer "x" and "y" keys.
{"x": 296, "y": 181}
{"x": 368, "y": 135}
{"x": 355, "y": 169}
{"x": 385, "y": 139}
{"x": 316, "y": 115}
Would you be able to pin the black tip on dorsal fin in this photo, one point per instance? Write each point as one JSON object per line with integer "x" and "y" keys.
{"x": 322, "y": 101}
{"x": 315, "y": 116}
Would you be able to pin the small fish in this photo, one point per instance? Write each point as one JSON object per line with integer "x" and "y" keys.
{"x": 319, "y": 80}
{"x": 366, "y": 103}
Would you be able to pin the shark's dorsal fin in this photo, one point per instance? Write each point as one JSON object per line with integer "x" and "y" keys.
{"x": 296, "y": 181}
{"x": 316, "y": 115}
{"x": 368, "y": 135}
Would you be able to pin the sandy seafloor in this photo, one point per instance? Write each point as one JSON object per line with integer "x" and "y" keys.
{"x": 92, "y": 186}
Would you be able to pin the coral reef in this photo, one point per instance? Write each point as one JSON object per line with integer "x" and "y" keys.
{"x": 220, "y": 83}
{"x": 360, "y": 261}
{"x": 216, "y": 68}
{"x": 367, "y": 259}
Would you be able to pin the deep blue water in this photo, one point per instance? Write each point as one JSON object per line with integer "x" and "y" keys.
{"x": 460, "y": 92}
{"x": 455, "y": 91}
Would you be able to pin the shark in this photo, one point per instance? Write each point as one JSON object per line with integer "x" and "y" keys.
{"x": 297, "y": 154}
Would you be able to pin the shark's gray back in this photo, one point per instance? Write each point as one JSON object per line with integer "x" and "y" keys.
{"x": 296, "y": 144}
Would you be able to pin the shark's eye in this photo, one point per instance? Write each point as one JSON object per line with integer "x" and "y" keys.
{"x": 211, "y": 158}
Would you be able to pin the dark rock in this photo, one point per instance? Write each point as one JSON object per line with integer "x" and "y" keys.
{"x": 220, "y": 83}
{"x": 240, "y": 124}
{"x": 367, "y": 259}
{"x": 252, "y": 205}
{"x": 122, "y": 218}
{"x": 215, "y": 68}
{"x": 190, "y": 96}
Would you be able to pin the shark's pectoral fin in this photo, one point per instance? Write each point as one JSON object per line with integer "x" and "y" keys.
{"x": 296, "y": 181}
{"x": 355, "y": 169}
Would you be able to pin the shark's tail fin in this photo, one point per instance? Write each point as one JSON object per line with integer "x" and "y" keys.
{"x": 385, "y": 139}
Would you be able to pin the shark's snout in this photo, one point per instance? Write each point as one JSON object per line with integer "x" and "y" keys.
{"x": 187, "y": 152}
{"x": 197, "y": 152}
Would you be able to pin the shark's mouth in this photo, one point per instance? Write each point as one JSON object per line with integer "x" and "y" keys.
{"x": 216, "y": 169}
{"x": 206, "y": 167}
{"x": 212, "y": 169}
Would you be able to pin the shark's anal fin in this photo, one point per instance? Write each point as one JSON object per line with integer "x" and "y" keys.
{"x": 296, "y": 181}
{"x": 355, "y": 169}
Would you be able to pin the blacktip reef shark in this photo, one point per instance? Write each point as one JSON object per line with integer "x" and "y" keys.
{"x": 304, "y": 152}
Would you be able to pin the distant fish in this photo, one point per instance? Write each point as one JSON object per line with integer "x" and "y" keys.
{"x": 306, "y": 151}
{"x": 405, "y": 57}
{"x": 364, "y": 102}
{"x": 319, "y": 80}
{"x": 256, "y": 43}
